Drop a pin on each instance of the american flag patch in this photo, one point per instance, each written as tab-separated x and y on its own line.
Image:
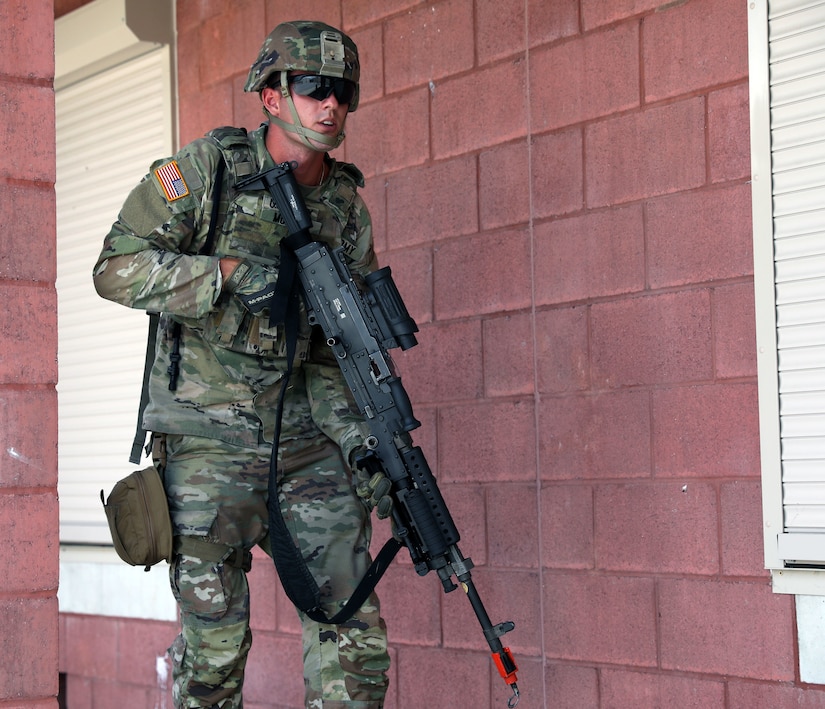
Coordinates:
172	182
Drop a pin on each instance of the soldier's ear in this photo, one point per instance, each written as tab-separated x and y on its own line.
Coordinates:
271	99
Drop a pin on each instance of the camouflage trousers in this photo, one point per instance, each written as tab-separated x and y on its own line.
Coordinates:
218	492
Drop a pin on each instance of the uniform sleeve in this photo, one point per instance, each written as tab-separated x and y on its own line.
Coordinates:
363	258
148	259
333	407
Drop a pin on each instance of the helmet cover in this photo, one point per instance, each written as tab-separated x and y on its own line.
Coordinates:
305	46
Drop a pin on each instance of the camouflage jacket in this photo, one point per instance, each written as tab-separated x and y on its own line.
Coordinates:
231	363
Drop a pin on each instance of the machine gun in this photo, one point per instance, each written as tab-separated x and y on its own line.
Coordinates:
360	327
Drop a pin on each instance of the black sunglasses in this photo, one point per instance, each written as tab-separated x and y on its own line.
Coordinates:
320	87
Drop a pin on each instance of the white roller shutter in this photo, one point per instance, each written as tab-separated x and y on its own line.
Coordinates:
789	259
109	127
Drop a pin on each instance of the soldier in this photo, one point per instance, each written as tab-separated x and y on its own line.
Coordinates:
220	363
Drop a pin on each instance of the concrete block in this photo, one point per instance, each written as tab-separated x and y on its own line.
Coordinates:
706	431
424	206
464	118
30	634
381	151
562	350
488	273
29	151
91	645
584	78
31	28
567	526
734	330
28	437
28	525
362	12
512	516
699	236
446	364
504	185
487	442
656	151
595	436
741	528
657	528
557	179
596	12
652	340
761	695
696	614
589	256
30	208
729	133
692	46
621	688
428	43
600	618
571	686
508	355
29	313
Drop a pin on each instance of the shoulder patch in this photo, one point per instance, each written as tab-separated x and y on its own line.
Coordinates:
190	174
171	181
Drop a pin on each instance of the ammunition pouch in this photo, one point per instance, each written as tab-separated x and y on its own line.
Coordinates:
138	516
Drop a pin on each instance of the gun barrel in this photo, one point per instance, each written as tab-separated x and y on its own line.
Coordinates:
503	658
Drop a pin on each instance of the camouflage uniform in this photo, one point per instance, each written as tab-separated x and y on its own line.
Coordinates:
219	421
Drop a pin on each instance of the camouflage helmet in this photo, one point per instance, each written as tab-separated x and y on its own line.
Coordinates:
307	46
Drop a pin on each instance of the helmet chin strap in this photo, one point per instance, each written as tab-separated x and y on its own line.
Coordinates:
304	133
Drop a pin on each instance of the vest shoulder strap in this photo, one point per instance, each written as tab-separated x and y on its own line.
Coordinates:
236	148
342	191
353	173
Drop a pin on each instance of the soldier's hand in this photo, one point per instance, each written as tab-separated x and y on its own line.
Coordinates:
375	492
253	284
371	485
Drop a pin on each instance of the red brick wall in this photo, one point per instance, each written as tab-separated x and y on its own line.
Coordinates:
28	356
562	191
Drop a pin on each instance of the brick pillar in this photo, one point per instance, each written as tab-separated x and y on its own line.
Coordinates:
28	357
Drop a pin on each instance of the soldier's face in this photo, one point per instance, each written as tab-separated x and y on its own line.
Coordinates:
326	116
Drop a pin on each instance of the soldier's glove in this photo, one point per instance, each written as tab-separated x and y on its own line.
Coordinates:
253	284
371	485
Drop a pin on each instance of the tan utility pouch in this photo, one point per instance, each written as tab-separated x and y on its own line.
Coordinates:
138	515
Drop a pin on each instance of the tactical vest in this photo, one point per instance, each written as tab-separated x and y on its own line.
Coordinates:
251	228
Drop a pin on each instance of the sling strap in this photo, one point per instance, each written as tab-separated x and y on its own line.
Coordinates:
140	433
